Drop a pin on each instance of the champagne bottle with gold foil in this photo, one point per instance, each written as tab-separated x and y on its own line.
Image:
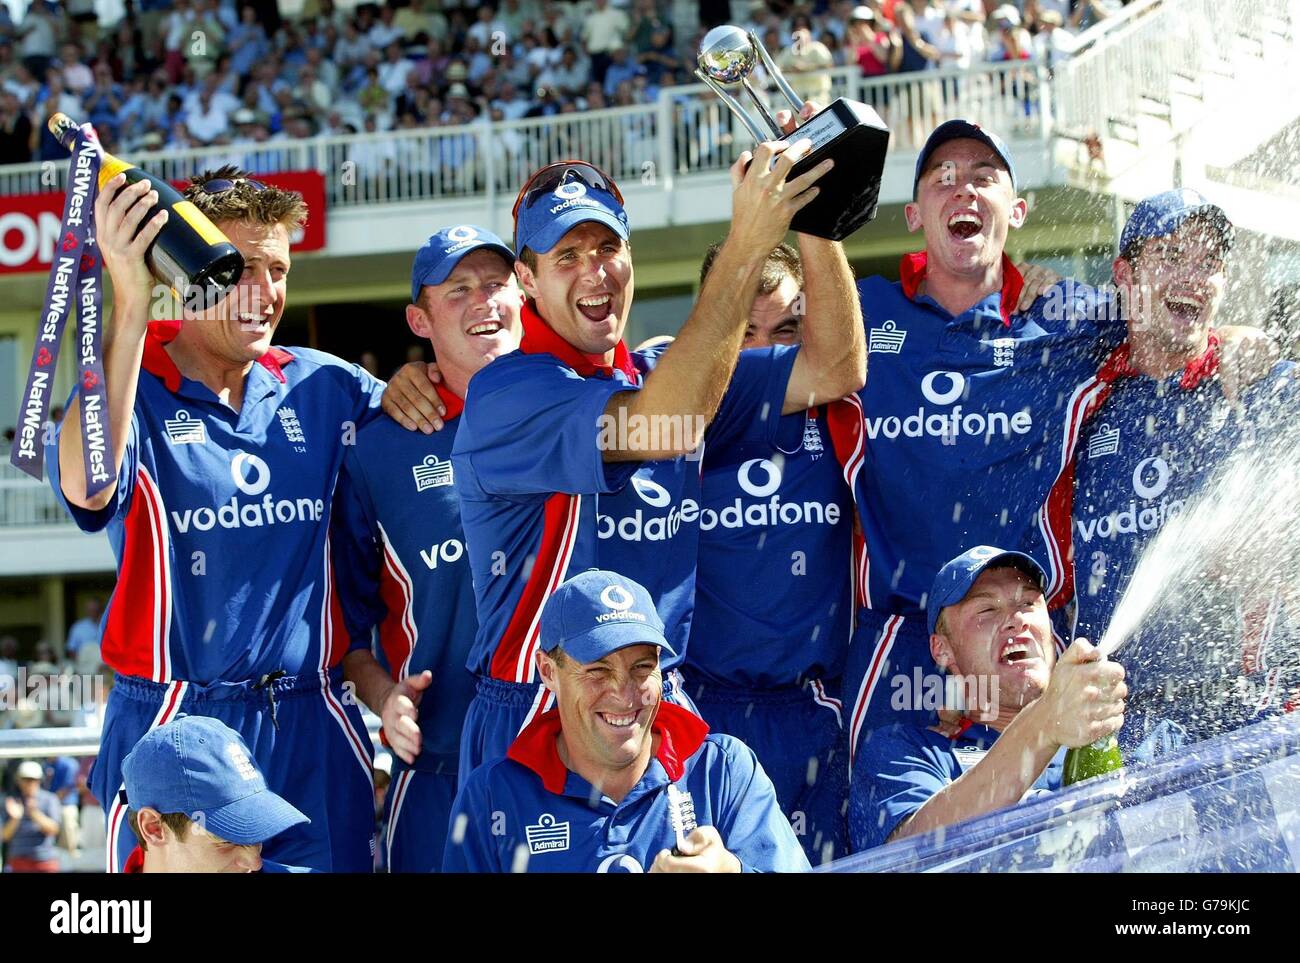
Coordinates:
189	254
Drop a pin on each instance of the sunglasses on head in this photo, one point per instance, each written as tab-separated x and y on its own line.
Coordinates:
220	185
546	180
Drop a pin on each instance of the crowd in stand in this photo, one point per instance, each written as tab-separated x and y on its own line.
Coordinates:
173	74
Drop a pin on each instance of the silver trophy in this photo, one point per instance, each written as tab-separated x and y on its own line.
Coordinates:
850	132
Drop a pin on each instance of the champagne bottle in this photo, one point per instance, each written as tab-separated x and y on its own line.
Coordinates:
1096	759
189	251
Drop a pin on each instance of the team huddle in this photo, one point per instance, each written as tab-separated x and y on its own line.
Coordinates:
671	608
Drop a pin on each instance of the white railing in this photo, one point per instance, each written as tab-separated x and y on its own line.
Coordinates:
1156	44
686	130
26	501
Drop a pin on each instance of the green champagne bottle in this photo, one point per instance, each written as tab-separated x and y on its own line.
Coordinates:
189	250
1096	759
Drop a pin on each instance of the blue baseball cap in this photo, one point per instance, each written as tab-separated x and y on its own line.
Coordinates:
955	579
955	129
202	768
1162	214
442	252
570	194
596	613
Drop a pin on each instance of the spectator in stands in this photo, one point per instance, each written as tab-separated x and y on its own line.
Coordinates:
15	130
919	23
487	27
372	97
208	115
569	76
86	629
39	34
877	45
622	69
176	31
385	31
103	102
248	43
1012	41
602	33
77	77
392	72
646	22
53	99
351	48
805	64
206	38
661	58
1052	44
31	824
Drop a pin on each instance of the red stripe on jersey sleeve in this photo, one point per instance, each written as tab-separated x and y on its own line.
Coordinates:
130	631
505	659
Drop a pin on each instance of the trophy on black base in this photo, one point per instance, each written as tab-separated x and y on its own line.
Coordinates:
848	131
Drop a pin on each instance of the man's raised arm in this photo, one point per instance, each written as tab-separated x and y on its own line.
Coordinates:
832	361
116	221
690	380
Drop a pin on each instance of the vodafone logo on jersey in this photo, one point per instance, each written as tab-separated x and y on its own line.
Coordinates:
662	522
947	419
1148	512
252	477
760	479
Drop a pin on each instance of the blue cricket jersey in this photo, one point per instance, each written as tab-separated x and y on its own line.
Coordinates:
528	813
403	572
774	593
1153	444
968	422
539	503
220	520
901	766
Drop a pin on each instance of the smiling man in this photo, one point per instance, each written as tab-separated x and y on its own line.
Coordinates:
402	572
575	452
198	803
989	628
614	778
1162	429
978	390
227	450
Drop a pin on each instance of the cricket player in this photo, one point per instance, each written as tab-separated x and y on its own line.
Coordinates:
1162	426
990	631
615	778
573	451
198	804
973	408
227	450
774	591
399	549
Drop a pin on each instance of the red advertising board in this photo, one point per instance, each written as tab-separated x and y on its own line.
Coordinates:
29	223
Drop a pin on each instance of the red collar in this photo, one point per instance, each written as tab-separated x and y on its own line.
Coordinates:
134	862
680	731
911	272
540	338
1197	370
454	403
158	362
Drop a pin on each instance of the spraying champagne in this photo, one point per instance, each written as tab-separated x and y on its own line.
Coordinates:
190	252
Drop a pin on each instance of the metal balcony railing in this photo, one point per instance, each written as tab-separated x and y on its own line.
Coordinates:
686	130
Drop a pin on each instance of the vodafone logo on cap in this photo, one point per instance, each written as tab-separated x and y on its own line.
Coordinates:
571	191
463	233
617	598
